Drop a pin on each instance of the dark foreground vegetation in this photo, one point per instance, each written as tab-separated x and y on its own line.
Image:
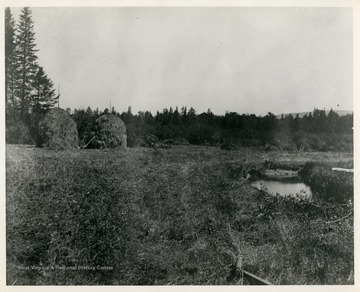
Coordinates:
173	217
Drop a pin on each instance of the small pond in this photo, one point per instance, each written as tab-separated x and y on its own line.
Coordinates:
284	187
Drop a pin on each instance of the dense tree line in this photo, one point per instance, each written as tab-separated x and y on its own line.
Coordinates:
314	131
29	92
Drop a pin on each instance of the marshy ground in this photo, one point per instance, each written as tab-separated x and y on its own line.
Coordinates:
178	216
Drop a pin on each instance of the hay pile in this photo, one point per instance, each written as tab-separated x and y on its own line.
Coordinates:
57	131
110	132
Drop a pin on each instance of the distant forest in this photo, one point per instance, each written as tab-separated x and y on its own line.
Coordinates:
316	131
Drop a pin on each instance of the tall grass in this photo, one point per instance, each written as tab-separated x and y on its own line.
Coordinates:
328	185
175	216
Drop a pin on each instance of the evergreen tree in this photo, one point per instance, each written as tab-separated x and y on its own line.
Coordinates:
10	64
176	117
26	61
332	121
41	100
43	97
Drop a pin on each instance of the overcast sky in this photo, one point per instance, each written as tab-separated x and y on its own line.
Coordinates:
248	60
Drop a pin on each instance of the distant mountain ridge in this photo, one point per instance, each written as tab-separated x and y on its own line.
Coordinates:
339	112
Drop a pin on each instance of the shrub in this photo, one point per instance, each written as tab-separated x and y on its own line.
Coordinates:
328	185
18	133
301	141
227	145
149	141
180	141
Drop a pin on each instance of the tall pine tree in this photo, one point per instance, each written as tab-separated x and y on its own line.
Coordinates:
29	91
10	65
26	61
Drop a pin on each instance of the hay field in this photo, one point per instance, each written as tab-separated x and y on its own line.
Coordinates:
176	216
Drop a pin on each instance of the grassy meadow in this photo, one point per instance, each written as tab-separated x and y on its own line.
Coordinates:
178	216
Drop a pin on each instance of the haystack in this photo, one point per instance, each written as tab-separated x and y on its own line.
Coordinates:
58	131
110	132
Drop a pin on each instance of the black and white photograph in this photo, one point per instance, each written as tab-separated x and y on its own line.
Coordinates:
173	145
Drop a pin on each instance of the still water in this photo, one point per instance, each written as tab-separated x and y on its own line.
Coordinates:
287	187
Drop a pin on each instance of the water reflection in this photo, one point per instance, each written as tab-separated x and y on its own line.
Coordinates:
284	187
